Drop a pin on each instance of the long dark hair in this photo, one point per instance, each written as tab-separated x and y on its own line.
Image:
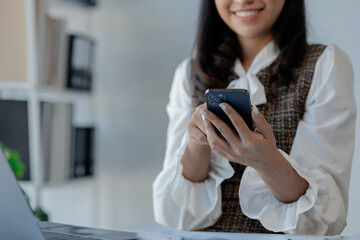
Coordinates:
217	47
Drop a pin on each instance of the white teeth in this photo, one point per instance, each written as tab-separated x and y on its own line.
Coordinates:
246	13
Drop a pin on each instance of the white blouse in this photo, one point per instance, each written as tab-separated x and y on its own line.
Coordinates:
322	153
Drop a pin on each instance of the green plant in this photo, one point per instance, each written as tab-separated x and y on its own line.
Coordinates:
19	169
15	162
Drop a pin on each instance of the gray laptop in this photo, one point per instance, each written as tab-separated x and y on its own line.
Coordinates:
18	222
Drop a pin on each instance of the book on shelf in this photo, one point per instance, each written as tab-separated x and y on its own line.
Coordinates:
14	130
53	50
82	159
56	130
80	62
46	110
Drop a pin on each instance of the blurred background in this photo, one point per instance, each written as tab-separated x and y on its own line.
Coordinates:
83	90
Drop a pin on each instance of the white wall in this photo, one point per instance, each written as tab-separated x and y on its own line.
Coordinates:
337	22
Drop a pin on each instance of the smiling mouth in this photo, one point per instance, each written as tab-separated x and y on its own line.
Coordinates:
247	13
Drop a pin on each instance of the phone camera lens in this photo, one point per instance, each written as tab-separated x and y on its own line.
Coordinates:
214	103
211	97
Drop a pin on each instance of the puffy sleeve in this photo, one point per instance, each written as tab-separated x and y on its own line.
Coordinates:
322	153
178	202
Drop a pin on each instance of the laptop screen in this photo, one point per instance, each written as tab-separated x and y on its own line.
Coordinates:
16	218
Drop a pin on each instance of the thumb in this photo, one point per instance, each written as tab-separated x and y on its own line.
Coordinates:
260	124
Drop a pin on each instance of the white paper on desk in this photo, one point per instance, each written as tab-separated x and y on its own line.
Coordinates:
355	237
160	232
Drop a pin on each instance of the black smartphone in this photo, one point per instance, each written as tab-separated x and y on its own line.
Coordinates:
239	99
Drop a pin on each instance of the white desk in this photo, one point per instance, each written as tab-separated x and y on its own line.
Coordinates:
156	231
159	232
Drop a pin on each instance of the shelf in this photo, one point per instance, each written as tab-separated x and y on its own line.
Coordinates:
57	94
14	85
29	185
26	184
72	181
10	90
13	90
31	189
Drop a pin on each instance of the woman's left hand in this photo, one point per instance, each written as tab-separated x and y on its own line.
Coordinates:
255	149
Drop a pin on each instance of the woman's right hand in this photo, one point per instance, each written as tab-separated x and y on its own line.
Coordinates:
196	158
196	127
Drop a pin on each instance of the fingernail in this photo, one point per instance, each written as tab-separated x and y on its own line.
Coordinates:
203	118
223	106
256	110
202	111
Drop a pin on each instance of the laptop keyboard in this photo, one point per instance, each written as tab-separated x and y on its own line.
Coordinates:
63	236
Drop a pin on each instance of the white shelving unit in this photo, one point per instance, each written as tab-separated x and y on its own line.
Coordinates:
30	89
21	14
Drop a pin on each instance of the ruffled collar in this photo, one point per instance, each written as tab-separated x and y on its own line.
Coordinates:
248	80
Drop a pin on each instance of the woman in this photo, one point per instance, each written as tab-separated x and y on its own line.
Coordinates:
292	173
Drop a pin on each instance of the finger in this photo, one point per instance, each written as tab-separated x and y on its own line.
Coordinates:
214	140
199	121
196	132
260	124
238	122
223	128
201	125
200	136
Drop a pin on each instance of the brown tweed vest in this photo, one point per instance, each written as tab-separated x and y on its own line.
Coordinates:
283	110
